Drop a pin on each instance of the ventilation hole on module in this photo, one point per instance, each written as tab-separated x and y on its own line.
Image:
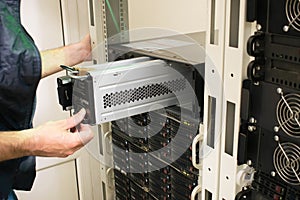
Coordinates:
144	92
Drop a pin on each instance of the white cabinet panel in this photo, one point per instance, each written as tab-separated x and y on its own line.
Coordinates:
181	16
57	183
42	19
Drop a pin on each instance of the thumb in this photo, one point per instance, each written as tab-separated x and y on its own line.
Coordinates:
86	134
75	119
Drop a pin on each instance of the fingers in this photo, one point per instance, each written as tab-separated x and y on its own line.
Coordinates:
85	135
75	141
87	38
75	119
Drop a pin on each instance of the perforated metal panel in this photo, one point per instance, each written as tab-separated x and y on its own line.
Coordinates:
125	88
144	92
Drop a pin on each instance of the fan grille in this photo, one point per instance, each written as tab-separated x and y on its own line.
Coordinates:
288	114
292	10
286	160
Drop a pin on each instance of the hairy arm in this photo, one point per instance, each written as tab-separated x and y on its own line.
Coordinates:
52	139
13	144
68	55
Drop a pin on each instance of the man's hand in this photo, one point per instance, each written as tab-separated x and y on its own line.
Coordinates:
55	139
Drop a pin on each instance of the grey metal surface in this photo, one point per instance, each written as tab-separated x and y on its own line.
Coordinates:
130	87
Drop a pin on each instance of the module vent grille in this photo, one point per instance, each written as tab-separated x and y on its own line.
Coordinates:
285	82
285	57
286	160
144	92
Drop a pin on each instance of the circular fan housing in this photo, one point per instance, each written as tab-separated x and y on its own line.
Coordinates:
292	10
286	161
288	114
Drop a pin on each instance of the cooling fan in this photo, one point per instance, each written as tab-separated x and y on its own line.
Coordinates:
286	157
288	114
292	10
286	160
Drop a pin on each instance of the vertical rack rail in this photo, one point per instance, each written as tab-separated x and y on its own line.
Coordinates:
237	31
213	98
107	19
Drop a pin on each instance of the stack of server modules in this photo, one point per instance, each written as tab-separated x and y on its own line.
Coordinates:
148	172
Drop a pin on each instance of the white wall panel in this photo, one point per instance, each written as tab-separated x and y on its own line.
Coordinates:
42	19
177	15
57	183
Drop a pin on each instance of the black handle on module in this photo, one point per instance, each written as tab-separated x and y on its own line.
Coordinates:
68	68
65	92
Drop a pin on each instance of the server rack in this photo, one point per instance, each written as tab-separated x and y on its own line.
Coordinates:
269	139
222	43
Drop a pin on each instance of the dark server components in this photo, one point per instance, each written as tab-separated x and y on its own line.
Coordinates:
276	44
270	128
139	193
184	164
182	184
158	177
160	182
121	151
122	186
139	165
270	138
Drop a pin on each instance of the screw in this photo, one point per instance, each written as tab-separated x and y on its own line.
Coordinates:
279	90
258	27
276	129
252	120
286	28
273	174
249	162
251	128
257	83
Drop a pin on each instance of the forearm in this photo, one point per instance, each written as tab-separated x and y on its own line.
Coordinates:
52	59
14	144
69	55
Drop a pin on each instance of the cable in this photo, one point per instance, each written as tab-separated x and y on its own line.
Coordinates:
112	15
